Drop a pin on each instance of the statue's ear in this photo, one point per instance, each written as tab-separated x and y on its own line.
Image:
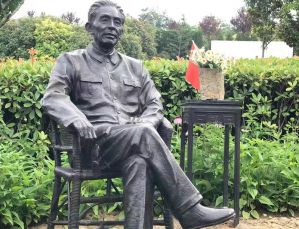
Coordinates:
88	27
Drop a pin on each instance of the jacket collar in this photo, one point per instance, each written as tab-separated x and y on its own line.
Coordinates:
97	55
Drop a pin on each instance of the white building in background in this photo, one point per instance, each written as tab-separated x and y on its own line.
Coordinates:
251	49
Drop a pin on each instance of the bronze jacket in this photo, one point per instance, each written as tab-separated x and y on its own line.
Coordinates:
104	89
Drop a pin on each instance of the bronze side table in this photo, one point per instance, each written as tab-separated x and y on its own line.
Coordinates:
223	112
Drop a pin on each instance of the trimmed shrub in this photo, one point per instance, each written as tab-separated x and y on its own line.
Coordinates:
22	85
16	37
169	78
270	91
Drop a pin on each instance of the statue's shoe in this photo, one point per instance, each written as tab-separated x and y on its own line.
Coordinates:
200	216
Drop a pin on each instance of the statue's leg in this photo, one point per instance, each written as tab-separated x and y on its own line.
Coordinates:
138	193
143	140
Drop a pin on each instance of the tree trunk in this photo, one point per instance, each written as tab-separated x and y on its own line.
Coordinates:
6	12
263	49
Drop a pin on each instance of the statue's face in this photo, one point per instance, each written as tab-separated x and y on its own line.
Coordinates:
107	26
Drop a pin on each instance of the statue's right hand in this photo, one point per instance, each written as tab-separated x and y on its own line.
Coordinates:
84	128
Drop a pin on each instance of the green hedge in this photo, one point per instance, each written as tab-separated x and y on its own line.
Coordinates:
267	87
270	91
169	78
22	85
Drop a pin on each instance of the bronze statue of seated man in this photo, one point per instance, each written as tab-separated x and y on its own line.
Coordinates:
109	96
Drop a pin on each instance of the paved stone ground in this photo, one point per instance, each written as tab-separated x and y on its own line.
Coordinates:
265	222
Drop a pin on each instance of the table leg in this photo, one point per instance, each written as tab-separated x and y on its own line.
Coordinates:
190	151
183	143
237	174
226	165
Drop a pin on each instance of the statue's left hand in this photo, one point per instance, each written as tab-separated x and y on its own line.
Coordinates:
84	128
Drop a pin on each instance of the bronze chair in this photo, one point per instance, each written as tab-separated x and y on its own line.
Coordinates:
79	170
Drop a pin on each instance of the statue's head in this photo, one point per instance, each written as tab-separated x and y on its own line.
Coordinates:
105	23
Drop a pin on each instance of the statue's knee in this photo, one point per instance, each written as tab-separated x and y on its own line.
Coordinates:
146	128
135	162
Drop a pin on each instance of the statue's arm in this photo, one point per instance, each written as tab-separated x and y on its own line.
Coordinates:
151	106
56	101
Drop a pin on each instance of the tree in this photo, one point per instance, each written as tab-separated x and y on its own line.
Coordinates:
242	22
8	8
146	32
288	28
172	38
54	36
186	34
210	26
242	25
130	44
226	32
177	42
16	37
71	18
173	25
264	15
80	38
31	13
159	20
48	35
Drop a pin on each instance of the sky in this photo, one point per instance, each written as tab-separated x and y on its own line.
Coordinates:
193	10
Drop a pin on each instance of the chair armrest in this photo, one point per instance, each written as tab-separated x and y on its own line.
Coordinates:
165	130
62	139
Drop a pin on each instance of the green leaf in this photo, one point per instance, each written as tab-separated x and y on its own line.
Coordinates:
219	201
112	208
252	192
205	184
38	113
292	213
27	104
254	214
265	200
32	114
8	217
10	125
246	215
17	220
95	210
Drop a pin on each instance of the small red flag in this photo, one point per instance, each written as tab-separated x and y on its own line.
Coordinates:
192	72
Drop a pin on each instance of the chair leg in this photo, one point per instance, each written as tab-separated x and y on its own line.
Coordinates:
55	200
74	204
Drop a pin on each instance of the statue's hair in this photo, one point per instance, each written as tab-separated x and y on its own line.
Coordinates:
98	4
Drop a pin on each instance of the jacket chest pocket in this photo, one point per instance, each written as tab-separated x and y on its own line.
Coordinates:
91	88
130	90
